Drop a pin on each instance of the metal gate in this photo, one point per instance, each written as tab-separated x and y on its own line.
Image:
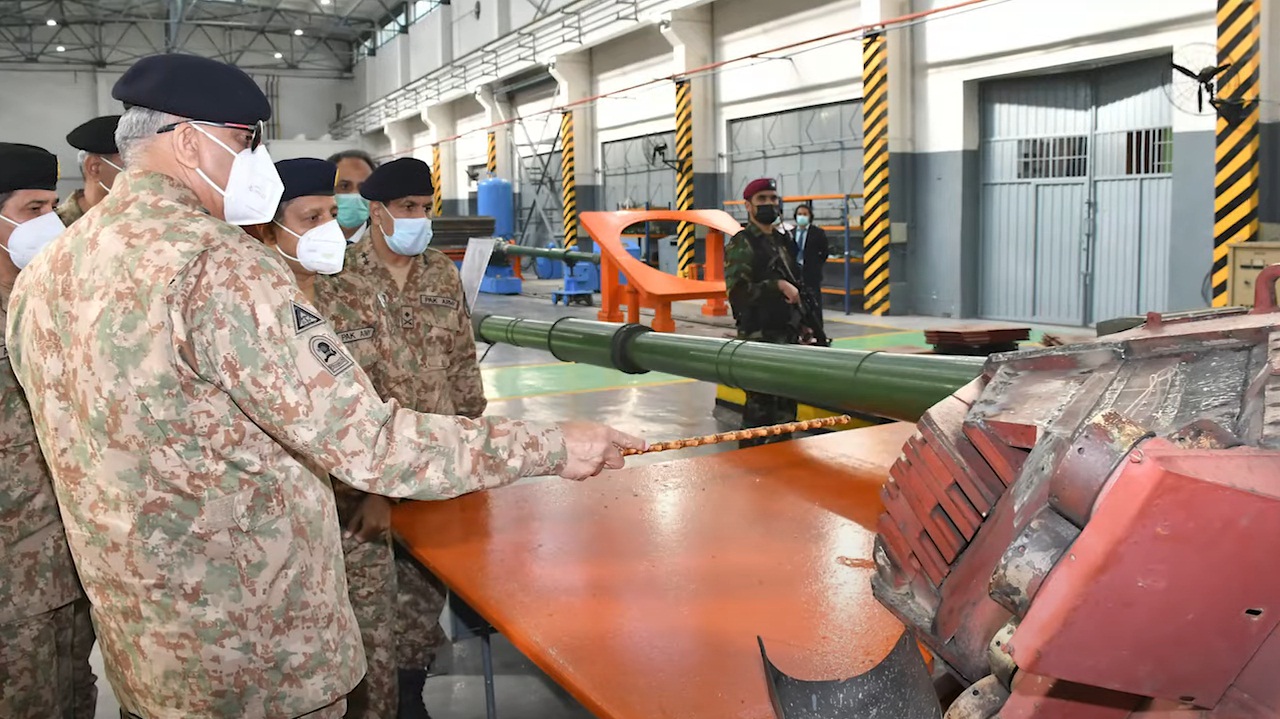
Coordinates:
1076	194
810	151
639	172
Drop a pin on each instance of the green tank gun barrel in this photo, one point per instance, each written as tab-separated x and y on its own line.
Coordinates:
892	386
550	253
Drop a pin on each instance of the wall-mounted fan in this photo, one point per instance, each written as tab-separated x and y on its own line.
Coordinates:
657	153
1197	87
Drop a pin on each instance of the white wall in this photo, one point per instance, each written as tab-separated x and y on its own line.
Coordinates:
430	46
308	106
387	70
40	108
522	11
823	73
473	148
470	33
629	60
290	149
1024	36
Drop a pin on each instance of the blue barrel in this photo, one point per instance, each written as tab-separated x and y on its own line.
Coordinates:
494	199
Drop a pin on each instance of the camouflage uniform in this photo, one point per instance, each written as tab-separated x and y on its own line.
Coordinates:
433	365
179	397
370	566
45	633
754	262
433	369
69	209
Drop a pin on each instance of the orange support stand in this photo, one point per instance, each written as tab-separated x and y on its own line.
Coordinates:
641	592
715	306
650	287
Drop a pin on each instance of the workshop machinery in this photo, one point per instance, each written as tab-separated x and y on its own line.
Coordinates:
1083	531
581	270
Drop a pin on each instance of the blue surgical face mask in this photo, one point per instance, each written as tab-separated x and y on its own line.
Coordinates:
802	220
353	210
410	237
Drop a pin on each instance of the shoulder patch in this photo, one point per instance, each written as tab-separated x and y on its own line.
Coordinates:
350	336
434	301
329	352
303	318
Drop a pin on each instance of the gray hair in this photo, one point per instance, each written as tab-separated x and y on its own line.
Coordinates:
137	128
81	156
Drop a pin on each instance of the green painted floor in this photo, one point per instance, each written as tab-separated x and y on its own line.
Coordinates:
544	379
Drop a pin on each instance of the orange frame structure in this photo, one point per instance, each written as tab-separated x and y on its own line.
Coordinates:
650	287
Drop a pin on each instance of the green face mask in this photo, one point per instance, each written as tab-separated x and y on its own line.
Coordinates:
353	210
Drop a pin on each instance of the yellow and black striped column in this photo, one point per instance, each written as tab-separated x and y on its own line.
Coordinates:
684	174
875	175
568	181
1235	201
492	165
437	181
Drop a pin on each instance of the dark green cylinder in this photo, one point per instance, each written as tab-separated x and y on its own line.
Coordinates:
550	253
893	386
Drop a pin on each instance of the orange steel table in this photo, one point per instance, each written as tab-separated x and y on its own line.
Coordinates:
642	591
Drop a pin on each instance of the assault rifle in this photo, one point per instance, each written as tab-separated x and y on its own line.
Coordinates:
809	308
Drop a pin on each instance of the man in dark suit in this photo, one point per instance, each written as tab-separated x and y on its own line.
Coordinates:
811	248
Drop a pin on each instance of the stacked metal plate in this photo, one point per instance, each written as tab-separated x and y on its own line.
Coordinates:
976	340
451	234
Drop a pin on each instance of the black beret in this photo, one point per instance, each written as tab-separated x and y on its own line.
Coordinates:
193	87
306	176
27	167
97	136
398	178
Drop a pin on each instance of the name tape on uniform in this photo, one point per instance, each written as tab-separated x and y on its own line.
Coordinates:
433	301
350	336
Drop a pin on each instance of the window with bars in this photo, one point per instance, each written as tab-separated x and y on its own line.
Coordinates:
1045	158
1149	152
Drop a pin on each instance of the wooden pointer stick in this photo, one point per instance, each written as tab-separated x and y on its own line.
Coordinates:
741	434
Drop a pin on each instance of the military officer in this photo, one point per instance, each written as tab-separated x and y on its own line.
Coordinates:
433	366
99	161
763	286
306	233
182	389
45	632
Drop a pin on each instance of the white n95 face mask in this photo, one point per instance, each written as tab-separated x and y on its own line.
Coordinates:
321	249
113	182
30	237
253	188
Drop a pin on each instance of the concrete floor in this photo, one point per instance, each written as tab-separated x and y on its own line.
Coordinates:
531	384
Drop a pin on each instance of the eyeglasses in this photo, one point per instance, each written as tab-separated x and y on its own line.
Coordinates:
258	129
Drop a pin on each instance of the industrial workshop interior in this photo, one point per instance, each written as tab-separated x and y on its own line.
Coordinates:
638	359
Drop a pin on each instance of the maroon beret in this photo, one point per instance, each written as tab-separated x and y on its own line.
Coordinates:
760	185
